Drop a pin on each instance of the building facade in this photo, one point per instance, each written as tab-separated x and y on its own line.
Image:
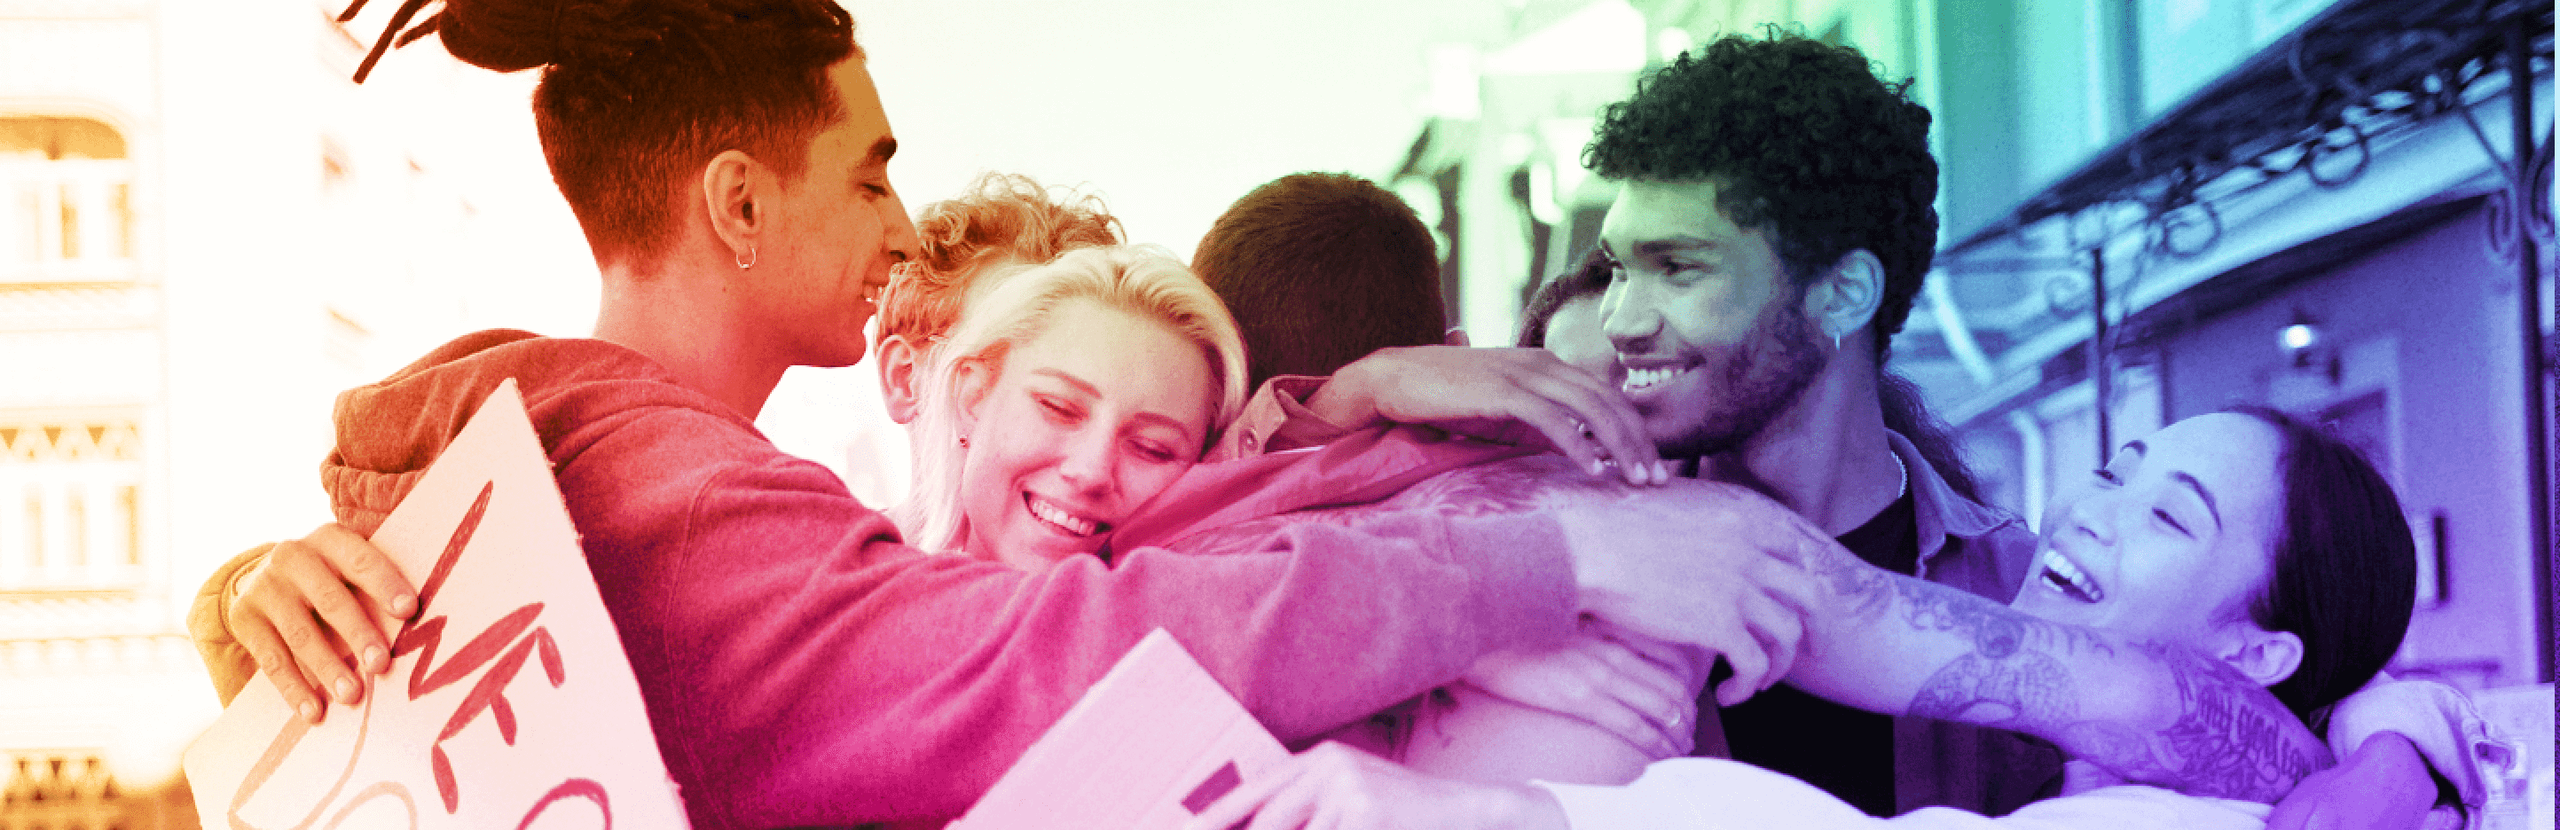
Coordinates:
205	231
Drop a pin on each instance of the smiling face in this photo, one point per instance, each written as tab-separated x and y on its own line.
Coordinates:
838	228
2170	540
1080	425
1708	328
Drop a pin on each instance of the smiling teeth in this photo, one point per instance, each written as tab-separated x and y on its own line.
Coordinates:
2063	576
1641	378
1050	513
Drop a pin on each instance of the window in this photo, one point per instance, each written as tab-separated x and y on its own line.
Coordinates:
66	201
77	484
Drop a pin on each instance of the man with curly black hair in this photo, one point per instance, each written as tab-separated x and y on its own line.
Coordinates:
1772	225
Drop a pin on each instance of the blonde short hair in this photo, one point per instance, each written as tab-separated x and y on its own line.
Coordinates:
1144	280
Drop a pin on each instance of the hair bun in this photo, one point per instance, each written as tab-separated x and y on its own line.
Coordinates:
503	35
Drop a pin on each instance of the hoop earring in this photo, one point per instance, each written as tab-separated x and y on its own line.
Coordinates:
748	261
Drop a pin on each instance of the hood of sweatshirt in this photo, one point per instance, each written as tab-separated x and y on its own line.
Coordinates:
574	390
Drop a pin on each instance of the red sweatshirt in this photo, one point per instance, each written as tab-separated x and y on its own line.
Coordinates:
803	667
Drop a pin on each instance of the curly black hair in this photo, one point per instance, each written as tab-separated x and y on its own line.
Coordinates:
1805	143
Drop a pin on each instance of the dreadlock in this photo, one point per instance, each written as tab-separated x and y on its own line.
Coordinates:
637	95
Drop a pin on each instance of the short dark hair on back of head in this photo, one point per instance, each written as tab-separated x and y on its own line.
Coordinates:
2345	572
1320	269
1803	141
638	95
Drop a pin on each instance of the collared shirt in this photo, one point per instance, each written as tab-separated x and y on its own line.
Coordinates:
1277	418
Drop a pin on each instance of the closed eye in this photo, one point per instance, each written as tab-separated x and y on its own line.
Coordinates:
1059	411
1152	451
2172	522
2106	475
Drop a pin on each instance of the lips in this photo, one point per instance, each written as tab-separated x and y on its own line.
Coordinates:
2065	577
1059	518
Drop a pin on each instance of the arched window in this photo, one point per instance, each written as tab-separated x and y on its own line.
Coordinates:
66	201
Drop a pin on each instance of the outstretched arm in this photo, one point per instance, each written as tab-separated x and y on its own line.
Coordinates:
1585	417
2148	713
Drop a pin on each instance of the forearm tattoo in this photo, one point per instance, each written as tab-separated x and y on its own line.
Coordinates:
2229	737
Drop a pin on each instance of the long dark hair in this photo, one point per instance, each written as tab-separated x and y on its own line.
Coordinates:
1905	413
2345	571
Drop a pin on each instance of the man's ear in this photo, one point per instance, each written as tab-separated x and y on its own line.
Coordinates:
2266	657
899	358
731	185
1845	297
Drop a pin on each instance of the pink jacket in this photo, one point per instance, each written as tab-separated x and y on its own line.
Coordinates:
802	667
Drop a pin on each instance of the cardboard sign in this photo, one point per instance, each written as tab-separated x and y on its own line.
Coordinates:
509	702
1149	746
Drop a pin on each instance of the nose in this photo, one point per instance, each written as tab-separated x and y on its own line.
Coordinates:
901	239
2093	515
1628	317
1087	462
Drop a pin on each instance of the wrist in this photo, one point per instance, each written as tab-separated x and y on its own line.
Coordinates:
2405	750
1345	400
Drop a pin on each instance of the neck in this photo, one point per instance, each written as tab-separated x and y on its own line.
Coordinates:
691	324
1826	456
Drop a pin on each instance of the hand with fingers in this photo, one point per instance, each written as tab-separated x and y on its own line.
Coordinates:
1335	787
2383	785
1586	417
1707	565
1649	700
307	616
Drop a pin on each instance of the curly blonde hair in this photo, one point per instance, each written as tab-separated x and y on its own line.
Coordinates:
1001	217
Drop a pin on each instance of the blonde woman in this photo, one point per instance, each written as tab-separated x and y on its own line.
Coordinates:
1067	396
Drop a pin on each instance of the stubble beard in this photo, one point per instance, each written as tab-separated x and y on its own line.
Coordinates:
1758	379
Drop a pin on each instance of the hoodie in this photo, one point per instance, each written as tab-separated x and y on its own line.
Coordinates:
801	666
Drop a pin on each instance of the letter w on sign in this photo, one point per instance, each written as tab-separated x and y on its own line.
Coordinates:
485	537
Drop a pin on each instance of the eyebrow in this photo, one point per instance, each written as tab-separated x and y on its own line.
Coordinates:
1071	380
1676	244
2210	508
881	150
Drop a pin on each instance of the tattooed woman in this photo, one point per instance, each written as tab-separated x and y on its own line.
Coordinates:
2231	552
